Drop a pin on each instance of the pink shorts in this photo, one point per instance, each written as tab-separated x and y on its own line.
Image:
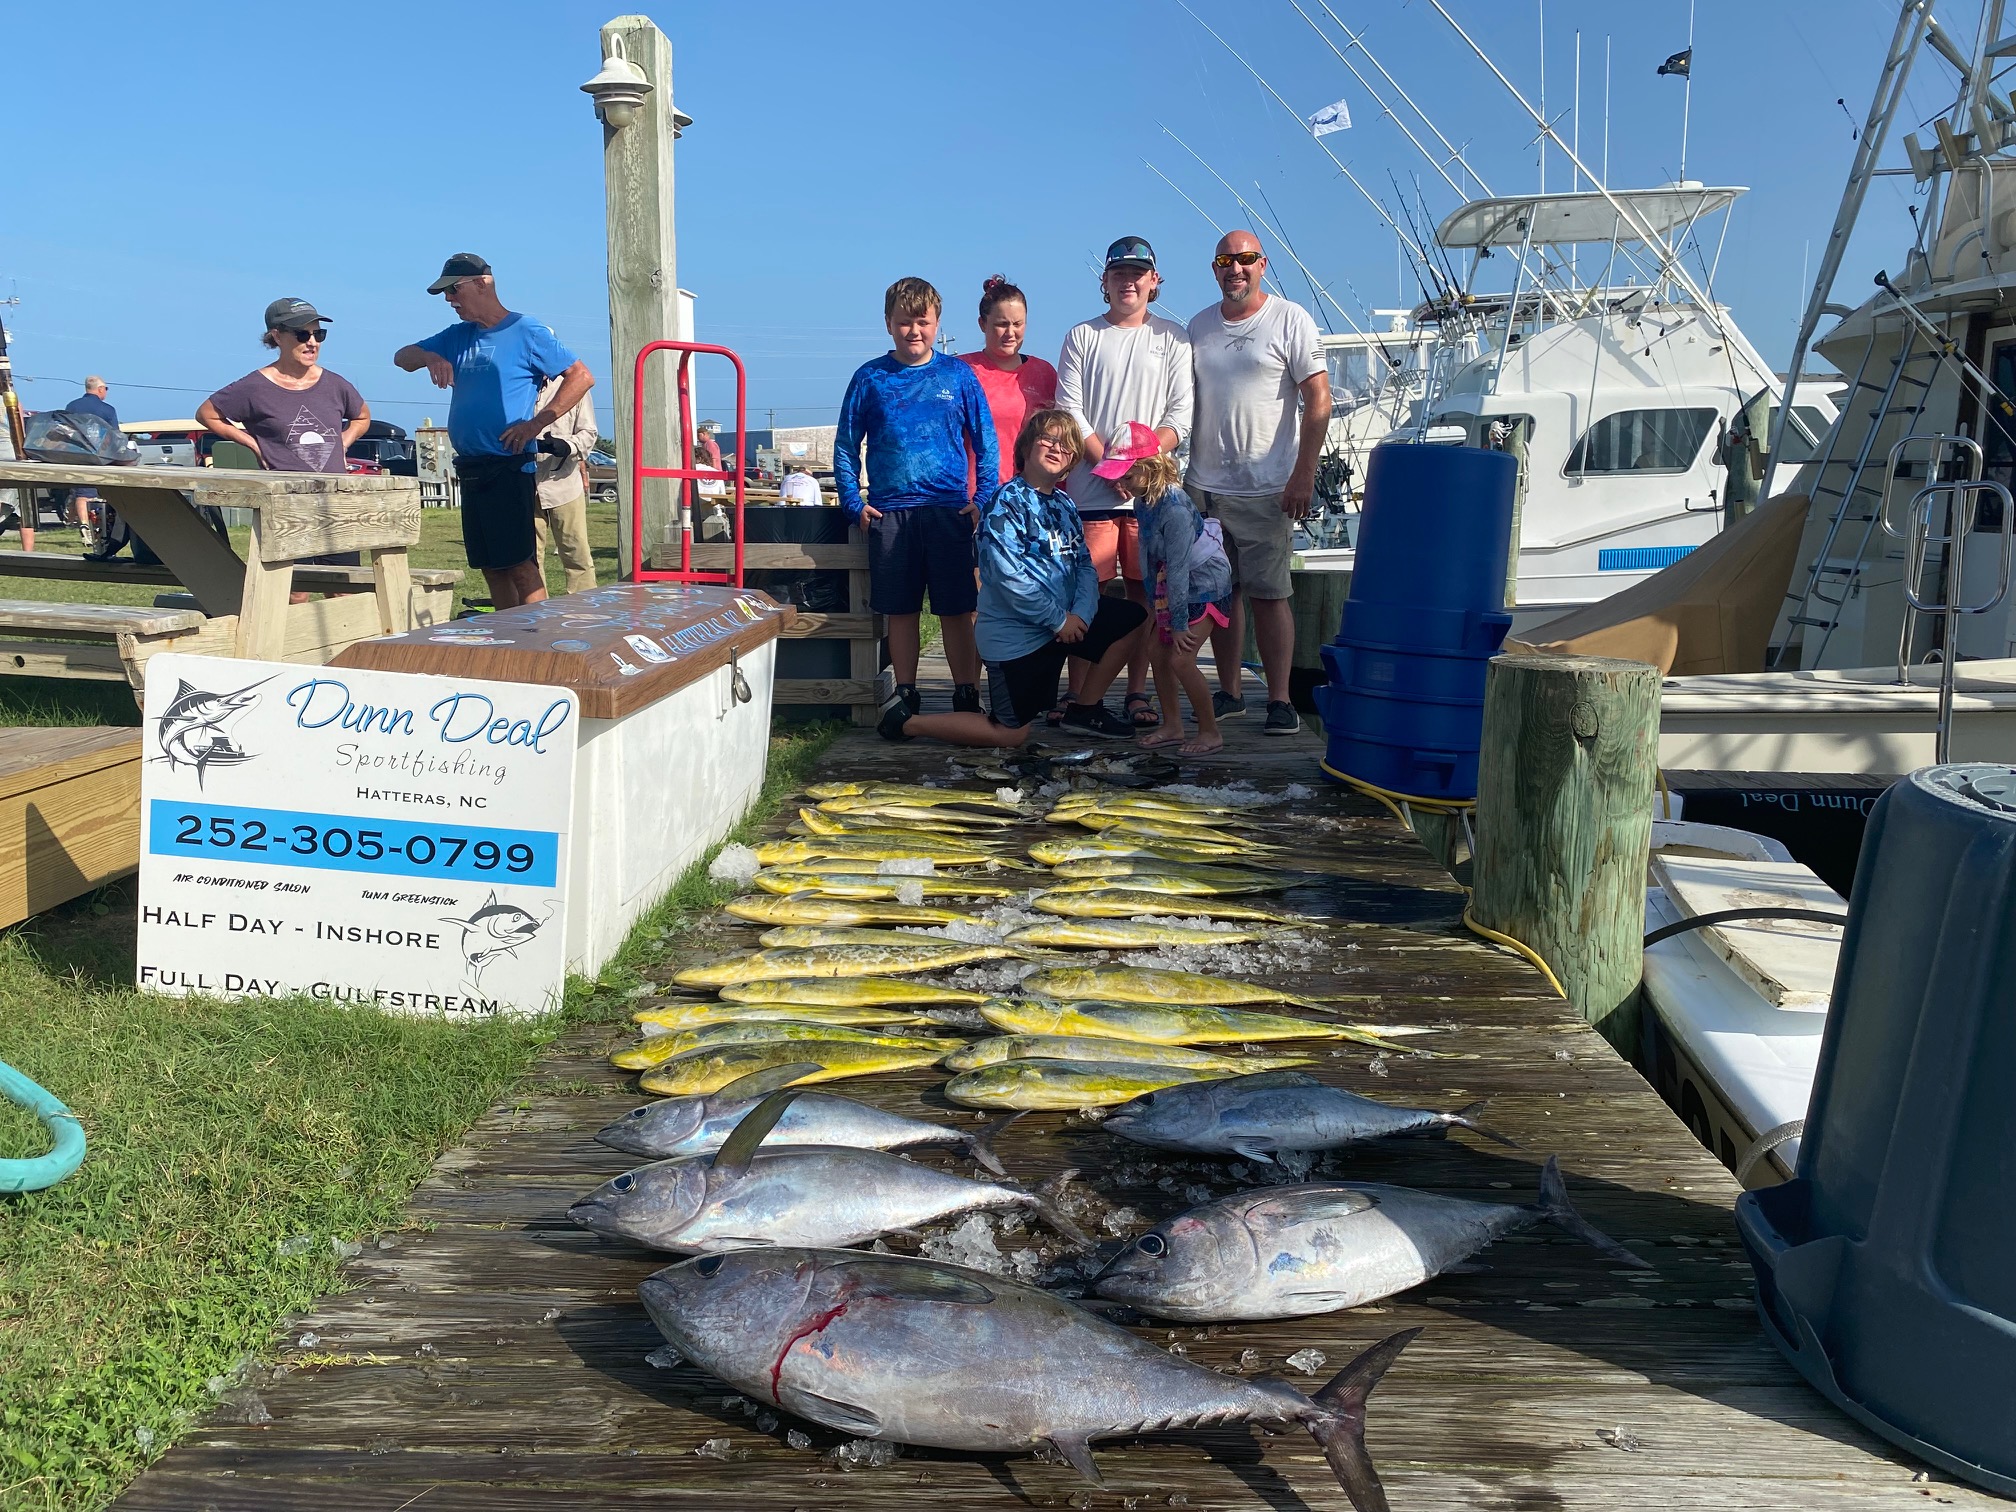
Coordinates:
1115	545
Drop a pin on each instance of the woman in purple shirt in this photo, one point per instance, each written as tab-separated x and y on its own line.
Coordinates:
294	415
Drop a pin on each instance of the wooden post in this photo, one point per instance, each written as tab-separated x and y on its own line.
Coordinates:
1564	823
643	276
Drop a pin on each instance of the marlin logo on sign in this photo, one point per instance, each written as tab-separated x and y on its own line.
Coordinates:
494	930
190	730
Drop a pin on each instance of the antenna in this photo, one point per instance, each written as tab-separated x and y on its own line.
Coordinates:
1606	110
1687	91
1543	94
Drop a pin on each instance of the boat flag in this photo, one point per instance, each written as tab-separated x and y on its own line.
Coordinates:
1680	65
1331	118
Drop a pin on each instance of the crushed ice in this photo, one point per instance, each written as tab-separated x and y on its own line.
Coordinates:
736	864
972	1245
664	1357
911	893
1307	1361
871	1454
907	866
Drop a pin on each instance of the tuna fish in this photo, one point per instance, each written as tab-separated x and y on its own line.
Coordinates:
884	1346
1292	1251
1031	1084
686	1126
821	1195
1256	1117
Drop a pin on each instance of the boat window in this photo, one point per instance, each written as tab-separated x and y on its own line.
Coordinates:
1356	373
1651	440
1492	431
1797	448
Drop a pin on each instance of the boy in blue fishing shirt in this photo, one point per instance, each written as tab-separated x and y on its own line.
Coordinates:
1039	605
918	411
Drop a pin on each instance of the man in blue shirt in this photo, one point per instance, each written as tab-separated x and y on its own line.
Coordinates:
91	402
496	361
918	410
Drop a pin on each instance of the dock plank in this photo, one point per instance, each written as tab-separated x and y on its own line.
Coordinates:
491	1355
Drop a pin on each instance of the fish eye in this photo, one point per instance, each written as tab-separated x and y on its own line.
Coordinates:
639	1112
624	1182
1150	1244
706	1265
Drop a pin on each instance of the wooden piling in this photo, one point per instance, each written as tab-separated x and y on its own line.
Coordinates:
1564	823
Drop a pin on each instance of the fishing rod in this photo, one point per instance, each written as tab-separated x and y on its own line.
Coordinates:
1269	278
1283	229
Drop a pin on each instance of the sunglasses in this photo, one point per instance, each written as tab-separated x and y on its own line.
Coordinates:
1244	259
307	335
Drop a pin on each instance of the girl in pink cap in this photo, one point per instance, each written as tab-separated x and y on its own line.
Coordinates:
1188	577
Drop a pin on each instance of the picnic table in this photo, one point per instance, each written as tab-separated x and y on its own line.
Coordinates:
233	606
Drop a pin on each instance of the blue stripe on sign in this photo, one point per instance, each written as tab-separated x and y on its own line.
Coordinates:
347	842
1638	558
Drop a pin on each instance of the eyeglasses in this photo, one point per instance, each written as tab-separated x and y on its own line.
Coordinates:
1244	259
1055	443
307	335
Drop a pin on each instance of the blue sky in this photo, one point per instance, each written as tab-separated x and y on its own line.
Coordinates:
174	171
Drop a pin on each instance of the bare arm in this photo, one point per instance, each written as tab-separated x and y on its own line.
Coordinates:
357	426
1301	489
411	359
575	382
217	425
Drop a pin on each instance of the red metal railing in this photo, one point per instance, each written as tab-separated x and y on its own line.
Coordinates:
686	474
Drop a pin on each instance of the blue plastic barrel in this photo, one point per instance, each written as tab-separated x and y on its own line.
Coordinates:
1404	706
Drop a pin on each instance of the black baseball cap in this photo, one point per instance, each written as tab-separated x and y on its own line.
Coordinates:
462	265
293	315
1130	251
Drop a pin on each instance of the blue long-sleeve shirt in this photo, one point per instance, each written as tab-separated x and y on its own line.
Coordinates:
1169	531
917	422
1035	570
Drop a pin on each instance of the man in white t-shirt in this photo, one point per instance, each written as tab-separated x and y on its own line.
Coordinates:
799	486
1252	465
1126	364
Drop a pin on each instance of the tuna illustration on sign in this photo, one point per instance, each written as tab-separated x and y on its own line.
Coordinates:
190	730
494	930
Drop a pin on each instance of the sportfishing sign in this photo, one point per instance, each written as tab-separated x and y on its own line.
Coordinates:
375	838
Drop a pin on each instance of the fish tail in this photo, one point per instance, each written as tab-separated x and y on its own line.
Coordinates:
1555	1208
1339	1428
980	1143
1466	1118
1045	1198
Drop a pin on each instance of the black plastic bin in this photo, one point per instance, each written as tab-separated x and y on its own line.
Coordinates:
1886	1268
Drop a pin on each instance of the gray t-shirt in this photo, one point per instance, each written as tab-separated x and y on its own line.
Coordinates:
298	430
1244	437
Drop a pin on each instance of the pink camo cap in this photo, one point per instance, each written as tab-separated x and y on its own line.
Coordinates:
1141	442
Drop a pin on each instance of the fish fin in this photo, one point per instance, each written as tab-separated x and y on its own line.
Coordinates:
847	1417
1045	1197
739	1148
1466	1118
980	1143
1556	1209
769	1079
1252	1148
1282	1078
1312	1204
1077	1451
1341	1433
908	1281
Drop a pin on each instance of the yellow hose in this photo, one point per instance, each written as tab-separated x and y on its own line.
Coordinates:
1519	947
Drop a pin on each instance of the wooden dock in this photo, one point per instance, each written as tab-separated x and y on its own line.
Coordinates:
492	1356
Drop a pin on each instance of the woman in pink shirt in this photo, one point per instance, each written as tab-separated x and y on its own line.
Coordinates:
1016	386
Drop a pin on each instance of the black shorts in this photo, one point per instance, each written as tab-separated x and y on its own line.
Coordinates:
1026	688
909	550
500	496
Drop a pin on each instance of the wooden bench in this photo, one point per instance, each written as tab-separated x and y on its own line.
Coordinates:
102	641
69	814
316	578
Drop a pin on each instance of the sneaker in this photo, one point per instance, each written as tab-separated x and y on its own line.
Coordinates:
966	699
1227	705
895	714
1282	720
913	701
1097	719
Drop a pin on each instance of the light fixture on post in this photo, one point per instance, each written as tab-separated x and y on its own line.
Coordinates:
619	89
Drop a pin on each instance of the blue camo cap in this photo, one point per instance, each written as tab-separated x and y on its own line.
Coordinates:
1130	251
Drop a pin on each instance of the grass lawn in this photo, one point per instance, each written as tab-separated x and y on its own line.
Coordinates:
235	1149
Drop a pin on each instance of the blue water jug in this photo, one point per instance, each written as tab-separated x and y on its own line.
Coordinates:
1404	706
1884	1266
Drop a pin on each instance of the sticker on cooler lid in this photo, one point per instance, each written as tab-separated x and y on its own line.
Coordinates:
647	648
624	667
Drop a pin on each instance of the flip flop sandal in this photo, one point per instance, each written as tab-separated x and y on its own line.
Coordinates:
1136	706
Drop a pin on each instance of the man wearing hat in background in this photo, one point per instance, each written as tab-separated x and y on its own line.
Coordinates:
1125	365
495	361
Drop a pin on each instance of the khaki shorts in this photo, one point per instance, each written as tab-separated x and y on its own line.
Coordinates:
1259	540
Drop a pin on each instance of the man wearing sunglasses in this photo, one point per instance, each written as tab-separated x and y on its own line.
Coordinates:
294	415
496	361
1252	464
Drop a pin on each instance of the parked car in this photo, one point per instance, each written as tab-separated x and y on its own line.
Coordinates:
169	443
602	477
387	448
